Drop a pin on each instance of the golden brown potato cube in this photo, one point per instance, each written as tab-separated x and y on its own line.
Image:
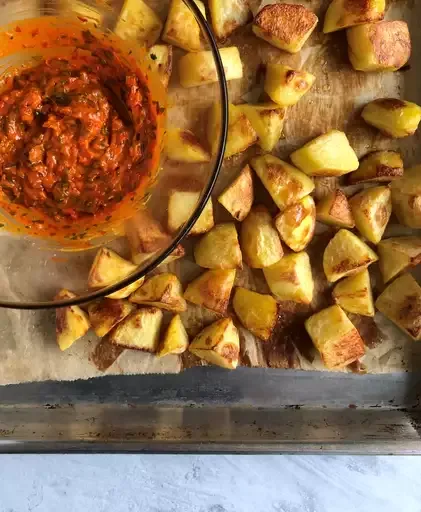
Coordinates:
176	340
160	56
372	209
327	155
107	314
258	313
291	278
228	15
335	337
71	322
218	344
286	26
401	303
406	197
354	294
184	146
163	291
268	122
181	205
238	197
259	239
334	210
346	255
393	117
181	28
212	290
348	13
397	255
378	166
384	46
241	133
296	224
286	86
139	331
139	22
178	252
219	248
284	182
199	68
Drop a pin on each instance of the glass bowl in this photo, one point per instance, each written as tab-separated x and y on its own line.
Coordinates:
35	260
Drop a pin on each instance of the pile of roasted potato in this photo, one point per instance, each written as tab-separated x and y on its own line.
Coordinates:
132	318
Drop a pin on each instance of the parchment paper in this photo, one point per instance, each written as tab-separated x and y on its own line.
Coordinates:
27	339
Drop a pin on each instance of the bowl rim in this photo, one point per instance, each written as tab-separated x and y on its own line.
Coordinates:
103	292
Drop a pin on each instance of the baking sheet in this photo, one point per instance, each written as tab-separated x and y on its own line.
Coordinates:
27	339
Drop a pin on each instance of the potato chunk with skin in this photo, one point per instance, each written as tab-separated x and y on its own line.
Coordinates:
346	255
218	344
284	182
401	303
107	314
291	278
238	197
384	46
286	86
71	322
181	28
406	197
212	290
138	21
393	117
258	313
296	224
268	122
334	210
397	255
161	56
354	294
228	15
181	205
286	26
176	340
348	13
372	209
163	291
199	68
139	331
335	337
184	146
327	155
378	166
219	248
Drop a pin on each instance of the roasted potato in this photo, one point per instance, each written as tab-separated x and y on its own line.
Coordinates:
259	240
199	68
163	291
107	313
181	205
401	303
394	118
268	122
378	166
334	210
219	248
109	268
218	344
228	15
238	197
327	155
160	56
258	313
384	46
335	337
371	210
176	340
71	322
291	278
139	331
348	13
139	22
286	86
212	290
285	183
406	197
354	294
241	133
177	253
184	146
181	28
346	255
286	26
397	255
296	224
